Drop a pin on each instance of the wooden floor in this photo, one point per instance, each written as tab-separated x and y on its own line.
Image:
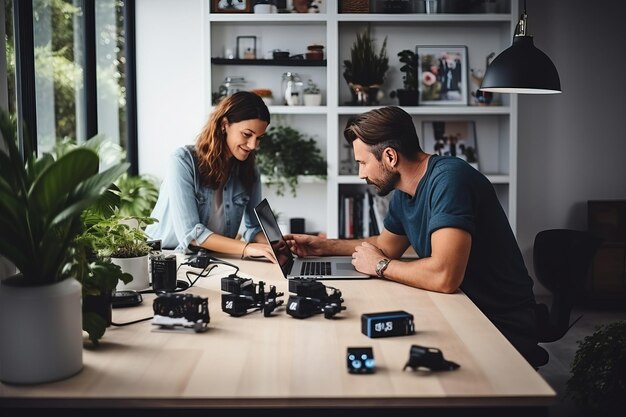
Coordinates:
557	371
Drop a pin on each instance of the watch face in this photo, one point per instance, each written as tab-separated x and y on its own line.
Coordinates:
380	266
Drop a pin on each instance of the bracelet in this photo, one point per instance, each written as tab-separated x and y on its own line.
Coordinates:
243	253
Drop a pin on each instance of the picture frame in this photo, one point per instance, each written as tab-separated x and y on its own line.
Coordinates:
246	47
451	138
232	6
442	75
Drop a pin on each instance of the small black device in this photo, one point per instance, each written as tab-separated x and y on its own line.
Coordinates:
243	296
181	311
312	297
387	324
361	360
126	298
163	269
428	358
199	260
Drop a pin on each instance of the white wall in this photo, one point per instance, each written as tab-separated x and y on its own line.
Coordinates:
572	146
170	84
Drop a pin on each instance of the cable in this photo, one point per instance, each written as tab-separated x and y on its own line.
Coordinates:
130	322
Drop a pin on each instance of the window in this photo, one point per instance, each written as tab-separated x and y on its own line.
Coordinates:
81	59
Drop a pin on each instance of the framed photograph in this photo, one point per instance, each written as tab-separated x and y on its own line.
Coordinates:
246	47
451	137
232	6
442	75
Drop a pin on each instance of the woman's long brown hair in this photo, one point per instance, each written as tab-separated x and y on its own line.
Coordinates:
211	148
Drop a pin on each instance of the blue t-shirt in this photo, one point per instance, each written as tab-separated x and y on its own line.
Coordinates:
454	194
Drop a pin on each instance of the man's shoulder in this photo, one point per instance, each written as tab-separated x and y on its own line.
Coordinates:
454	166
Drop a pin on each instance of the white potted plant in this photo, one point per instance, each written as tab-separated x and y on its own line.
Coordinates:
41	202
115	238
312	94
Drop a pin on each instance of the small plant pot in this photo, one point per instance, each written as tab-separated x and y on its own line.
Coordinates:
138	268
408	97
312	99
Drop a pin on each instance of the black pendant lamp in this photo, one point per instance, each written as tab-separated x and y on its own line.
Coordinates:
522	68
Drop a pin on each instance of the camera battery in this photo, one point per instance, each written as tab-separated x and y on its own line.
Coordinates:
387	324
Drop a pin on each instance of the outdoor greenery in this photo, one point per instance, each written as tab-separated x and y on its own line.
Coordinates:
57	65
366	67
286	153
598	381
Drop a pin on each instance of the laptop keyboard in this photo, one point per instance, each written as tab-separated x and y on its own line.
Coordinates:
315	268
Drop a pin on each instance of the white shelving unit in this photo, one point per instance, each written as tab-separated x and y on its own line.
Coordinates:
496	125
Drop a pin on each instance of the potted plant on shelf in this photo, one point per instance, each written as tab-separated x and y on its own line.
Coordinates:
408	96
41	202
312	94
286	153
598	373
365	70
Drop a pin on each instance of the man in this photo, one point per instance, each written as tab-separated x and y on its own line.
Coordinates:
449	213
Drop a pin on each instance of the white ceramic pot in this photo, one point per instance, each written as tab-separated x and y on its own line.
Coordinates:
312	99
138	268
41	332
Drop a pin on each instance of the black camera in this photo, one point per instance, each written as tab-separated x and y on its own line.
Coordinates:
184	311
163	270
312	297
243	296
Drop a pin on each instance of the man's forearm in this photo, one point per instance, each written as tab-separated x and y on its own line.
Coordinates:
344	247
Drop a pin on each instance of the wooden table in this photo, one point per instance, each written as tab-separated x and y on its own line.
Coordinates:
279	362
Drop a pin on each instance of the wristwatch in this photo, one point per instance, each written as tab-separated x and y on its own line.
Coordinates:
381	266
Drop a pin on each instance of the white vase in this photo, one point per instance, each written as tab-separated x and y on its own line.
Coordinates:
138	268
312	99
41	332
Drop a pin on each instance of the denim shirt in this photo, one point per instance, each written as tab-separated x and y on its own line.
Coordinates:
184	205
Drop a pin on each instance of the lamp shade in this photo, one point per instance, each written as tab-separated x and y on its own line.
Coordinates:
522	68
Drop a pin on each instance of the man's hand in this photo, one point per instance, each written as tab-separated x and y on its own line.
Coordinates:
365	258
306	245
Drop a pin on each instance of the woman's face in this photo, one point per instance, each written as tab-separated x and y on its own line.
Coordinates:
243	137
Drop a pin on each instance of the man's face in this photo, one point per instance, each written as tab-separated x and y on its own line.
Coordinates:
380	174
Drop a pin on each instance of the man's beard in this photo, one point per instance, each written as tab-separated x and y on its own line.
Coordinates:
387	183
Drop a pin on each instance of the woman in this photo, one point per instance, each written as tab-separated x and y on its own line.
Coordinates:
212	185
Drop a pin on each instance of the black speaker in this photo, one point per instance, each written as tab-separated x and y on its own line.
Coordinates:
164	273
296	225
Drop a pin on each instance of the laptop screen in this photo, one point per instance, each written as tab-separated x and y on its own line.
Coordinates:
274	236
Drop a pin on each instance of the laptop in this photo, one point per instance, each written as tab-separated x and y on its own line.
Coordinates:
320	268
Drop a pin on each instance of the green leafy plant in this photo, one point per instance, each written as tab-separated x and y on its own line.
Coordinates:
366	67
138	195
409	59
113	237
311	88
41	202
286	153
598	381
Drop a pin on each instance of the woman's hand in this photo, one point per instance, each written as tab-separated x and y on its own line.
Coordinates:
258	251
